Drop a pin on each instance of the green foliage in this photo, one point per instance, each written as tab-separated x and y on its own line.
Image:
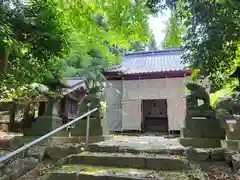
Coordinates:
212	37
227	90
31	43
158	5
100	32
174	31
150	45
44	39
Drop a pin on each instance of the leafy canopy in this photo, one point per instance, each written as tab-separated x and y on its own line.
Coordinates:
43	39
212	36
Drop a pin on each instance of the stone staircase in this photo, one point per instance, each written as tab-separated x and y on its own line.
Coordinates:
100	164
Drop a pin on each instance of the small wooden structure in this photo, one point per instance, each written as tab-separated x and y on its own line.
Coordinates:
73	94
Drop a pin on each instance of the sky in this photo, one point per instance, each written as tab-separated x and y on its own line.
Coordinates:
158	25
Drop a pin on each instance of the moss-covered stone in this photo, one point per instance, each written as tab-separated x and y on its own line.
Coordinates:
157	162
236	162
61	151
95	128
4	177
172	164
202	112
84	172
63	176
19	167
231	144
217	154
197	154
200	121
117	160
37	152
44	125
228	156
200	142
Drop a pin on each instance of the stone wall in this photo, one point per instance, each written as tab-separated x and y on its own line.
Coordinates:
54	148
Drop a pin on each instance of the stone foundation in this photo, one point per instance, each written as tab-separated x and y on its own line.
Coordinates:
200	142
44	125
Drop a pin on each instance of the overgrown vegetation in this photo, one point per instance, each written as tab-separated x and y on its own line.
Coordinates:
210	39
42	40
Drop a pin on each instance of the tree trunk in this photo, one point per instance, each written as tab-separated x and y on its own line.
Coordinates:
4	62
12	117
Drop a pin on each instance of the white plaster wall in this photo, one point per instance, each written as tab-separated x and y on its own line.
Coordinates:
113	96
131	119
172	89
124	101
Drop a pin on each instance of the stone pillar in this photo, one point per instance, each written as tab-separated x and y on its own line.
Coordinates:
95	123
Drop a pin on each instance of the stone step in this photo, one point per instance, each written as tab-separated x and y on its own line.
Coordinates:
123	149
129	160
83	172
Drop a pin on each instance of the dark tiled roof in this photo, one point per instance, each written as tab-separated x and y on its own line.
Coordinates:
151	61
73	83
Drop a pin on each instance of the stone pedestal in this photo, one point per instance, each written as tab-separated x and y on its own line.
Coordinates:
95	124
202	131
202	128
232	141
48	122
44	125
80	127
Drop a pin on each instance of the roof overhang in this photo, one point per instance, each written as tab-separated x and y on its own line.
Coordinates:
75	83
148	75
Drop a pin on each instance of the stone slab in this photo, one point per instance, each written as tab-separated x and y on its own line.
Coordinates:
58	152
231	144
234	135
107	173
218	154
78	139
138	144
129	160
200	112
200	142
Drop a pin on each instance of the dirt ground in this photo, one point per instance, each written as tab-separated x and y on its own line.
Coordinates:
39	171
218	171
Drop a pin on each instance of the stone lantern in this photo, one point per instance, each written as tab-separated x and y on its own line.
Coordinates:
50	119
